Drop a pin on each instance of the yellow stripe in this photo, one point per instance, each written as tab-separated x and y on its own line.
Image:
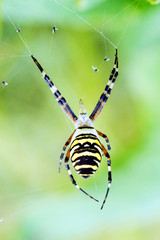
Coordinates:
94	167
86	153
89	174
82	141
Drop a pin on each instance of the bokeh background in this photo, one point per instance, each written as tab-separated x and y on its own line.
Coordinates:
35	201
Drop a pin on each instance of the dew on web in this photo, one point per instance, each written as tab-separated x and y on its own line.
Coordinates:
106	59
54	29
19	34
95	69
4	83
18	30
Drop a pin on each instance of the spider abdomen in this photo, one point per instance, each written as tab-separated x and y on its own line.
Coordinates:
85	151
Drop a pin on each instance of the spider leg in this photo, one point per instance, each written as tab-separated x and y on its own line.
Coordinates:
106	138
59	98
63	151
107	91
109	173
72	178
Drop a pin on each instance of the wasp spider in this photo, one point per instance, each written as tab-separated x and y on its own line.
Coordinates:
85	148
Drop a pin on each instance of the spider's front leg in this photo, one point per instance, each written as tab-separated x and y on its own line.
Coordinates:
63	151
58	96
106	138
107	91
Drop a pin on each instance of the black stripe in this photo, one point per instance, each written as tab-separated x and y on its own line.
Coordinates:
106	89
91	146
83	150
57	94
85	127
86	158
50	84
109	176
116	74
109	162
86	171
84	161
86	135
113	72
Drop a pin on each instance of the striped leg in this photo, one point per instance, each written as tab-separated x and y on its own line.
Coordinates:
63	151
72	178
106	138
59	98
109	173
105	95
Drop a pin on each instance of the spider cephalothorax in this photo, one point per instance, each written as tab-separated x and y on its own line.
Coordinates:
84	146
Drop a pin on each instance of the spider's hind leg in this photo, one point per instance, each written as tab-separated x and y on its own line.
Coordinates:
109	173
72	178
63	151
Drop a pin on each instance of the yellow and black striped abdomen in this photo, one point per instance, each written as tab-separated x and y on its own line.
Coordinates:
85	153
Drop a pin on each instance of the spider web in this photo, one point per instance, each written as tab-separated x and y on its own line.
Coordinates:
67	7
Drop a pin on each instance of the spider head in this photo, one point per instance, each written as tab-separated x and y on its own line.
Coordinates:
83	119
82	109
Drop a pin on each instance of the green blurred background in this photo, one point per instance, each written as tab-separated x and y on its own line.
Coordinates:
35	201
